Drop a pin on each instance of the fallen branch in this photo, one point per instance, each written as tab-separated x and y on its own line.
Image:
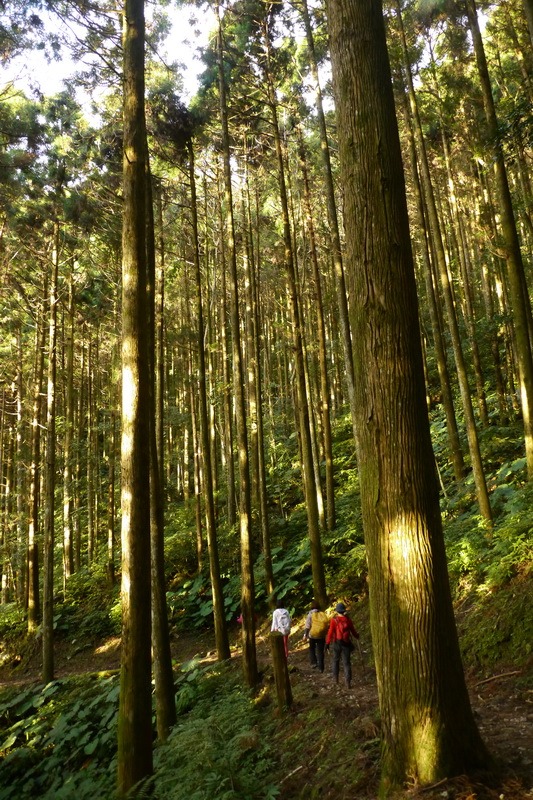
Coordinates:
496	677
286	778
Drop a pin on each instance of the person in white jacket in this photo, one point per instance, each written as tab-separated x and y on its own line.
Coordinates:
281	622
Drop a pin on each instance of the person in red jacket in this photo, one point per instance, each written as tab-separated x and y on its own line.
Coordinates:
341	630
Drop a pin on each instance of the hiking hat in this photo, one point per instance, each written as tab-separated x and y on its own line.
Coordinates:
340	608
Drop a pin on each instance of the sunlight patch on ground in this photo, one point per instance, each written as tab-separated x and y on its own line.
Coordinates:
107	646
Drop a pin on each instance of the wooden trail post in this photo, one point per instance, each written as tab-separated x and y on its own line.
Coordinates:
281	672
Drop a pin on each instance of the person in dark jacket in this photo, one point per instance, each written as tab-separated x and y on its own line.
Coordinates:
341	630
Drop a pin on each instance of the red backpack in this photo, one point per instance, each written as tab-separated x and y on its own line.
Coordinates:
342	632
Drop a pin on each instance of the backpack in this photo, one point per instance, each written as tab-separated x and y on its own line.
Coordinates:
319	625
343	631
284	622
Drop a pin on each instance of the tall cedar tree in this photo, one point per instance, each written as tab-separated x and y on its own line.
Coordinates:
135	711
428	727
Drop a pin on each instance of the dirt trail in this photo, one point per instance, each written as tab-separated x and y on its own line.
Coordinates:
503	709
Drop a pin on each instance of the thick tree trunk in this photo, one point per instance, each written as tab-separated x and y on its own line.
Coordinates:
428	727
135	708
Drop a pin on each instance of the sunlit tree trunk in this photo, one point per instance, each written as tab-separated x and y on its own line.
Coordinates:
135	709
428	728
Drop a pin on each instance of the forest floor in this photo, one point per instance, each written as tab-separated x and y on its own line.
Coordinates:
328	742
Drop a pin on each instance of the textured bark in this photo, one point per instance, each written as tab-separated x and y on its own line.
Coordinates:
281	672
135	708
428	727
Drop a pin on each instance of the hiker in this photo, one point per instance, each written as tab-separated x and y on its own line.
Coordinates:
341	629
315	630
281	622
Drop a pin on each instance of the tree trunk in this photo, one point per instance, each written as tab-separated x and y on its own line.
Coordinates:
528	10
221	632
33	604
310	490
111	498
435	317
68	549
135	708
245	516
428	727
440	258
513	257
165	702
340	283
324	401
49	476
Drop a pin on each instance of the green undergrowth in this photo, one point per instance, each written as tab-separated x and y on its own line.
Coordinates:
222	746
59	740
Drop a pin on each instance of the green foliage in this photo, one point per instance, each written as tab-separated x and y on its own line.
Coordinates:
479	557
88	609
220	749
498	625
12	622
59	741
